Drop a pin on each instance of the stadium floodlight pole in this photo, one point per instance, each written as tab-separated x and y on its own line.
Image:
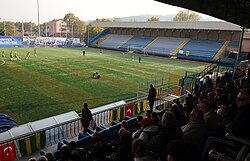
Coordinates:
22	29
72	33
239	51
46	29
14	28
38	18
31	28
88	34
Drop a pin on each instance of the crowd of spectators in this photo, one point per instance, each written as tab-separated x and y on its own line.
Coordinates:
182	133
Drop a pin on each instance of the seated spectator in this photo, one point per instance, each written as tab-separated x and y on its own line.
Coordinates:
195	130
137	127
50	156
177	101
141	154
240	127
149	130
66	154
179	150
170	131
210	117
137	124
115	143
155	119
125	125
124	152
42	158
210	97
99	152
77	152
32	159
239	73
180	117
188	107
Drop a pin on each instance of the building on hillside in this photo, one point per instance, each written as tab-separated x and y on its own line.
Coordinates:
58	28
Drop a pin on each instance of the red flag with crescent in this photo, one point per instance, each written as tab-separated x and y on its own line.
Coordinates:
129	110
7	152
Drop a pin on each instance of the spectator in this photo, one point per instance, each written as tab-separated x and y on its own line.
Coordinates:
115	143
32	159
180	117
239	126
141	154
79	153
66	154
125	125
210	117
137	127
170	131
86	117
99	152
124	152
155	119
137	124
239	73
210	97
42	158
50	156
179	150
195	130
149	130
151	97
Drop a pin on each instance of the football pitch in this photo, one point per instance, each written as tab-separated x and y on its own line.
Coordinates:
59	80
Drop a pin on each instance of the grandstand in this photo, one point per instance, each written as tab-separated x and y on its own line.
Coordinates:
202	41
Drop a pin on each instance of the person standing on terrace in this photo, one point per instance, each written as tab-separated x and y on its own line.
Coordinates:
86	117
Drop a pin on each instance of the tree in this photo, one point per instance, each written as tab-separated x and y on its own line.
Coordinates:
186	15
75	23
153	18
103	20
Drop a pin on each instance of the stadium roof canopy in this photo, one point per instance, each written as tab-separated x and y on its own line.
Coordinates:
196	25
235	11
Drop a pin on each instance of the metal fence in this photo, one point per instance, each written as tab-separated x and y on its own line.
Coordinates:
18	146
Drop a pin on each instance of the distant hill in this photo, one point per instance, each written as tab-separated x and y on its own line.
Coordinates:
161	17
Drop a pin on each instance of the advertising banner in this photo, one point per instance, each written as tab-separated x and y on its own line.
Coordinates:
10	41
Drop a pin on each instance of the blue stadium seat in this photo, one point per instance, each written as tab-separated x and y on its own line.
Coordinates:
115	127
84	143
106	135
59	145
82	135
42	152
100	128
65	141
57	155
114	122
131	122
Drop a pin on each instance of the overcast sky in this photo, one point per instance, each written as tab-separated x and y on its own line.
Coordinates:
26	10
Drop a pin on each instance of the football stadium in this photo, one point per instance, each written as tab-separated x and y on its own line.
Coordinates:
159	91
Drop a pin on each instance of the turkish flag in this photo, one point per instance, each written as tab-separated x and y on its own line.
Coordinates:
129	110
7	152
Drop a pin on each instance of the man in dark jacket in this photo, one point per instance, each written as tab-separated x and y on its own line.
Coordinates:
169	132
86	117
151	96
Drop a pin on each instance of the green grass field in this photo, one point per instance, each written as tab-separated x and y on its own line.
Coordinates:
59	80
